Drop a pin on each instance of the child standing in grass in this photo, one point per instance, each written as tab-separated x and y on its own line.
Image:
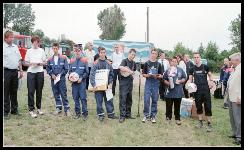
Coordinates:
57	67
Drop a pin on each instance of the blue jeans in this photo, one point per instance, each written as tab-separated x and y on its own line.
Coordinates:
100	96
151	90
79	92
60	94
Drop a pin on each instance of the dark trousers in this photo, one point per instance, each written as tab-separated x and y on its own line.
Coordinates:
79	94
10	90
116	72
60	94
100	97
35	82
87	79
125	97
161	90
202	95
169	104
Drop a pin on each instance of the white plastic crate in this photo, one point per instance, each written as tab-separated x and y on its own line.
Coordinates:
185	107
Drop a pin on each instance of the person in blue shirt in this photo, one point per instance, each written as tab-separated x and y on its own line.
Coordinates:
58	65
102	63
80	66
174	93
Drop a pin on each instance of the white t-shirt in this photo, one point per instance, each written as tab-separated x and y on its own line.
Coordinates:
90	57
165	63
117	59
35	56
182	65
55	60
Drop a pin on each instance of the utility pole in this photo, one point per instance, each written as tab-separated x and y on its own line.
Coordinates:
147	24
145	36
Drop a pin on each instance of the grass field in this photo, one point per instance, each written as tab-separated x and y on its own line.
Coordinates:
50	130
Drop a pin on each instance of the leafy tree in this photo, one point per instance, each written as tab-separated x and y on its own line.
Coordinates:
69	42
211	51
235	29
46	40
8	14
39	33
201	50
112	23
181	49
21	15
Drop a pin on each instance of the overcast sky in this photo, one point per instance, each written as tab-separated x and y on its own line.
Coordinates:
190	24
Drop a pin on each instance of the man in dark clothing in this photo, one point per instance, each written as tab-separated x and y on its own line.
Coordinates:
126	86
199	73
11	63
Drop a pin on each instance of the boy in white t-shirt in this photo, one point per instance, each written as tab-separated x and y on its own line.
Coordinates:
35	59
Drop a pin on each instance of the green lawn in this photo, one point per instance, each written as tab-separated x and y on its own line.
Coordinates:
50	130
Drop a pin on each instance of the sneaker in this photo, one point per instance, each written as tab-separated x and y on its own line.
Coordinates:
225	107
113	117
57	112
77	116
168	120
237	142
101	118
144	119
33	114
121	119
199	125
209	128
153	120
84	117
16	113
231	136
178	122
68	113
39	111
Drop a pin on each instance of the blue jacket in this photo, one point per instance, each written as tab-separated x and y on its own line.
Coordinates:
80	66
101	64
222	73
61	68
177	91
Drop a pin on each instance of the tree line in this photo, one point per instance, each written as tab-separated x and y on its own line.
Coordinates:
111	22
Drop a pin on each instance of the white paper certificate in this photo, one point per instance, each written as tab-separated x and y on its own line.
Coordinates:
109	94
101	77
57	79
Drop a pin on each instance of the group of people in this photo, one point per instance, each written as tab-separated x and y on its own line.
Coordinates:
166	78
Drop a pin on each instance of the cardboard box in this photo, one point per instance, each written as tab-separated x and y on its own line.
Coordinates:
101	80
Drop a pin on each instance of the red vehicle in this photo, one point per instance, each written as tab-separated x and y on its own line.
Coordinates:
23	42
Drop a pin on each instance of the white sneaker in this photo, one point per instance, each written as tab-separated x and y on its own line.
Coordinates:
144	119
153	120
33	114
39	111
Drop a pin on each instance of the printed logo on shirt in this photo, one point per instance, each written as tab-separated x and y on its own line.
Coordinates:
199	71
